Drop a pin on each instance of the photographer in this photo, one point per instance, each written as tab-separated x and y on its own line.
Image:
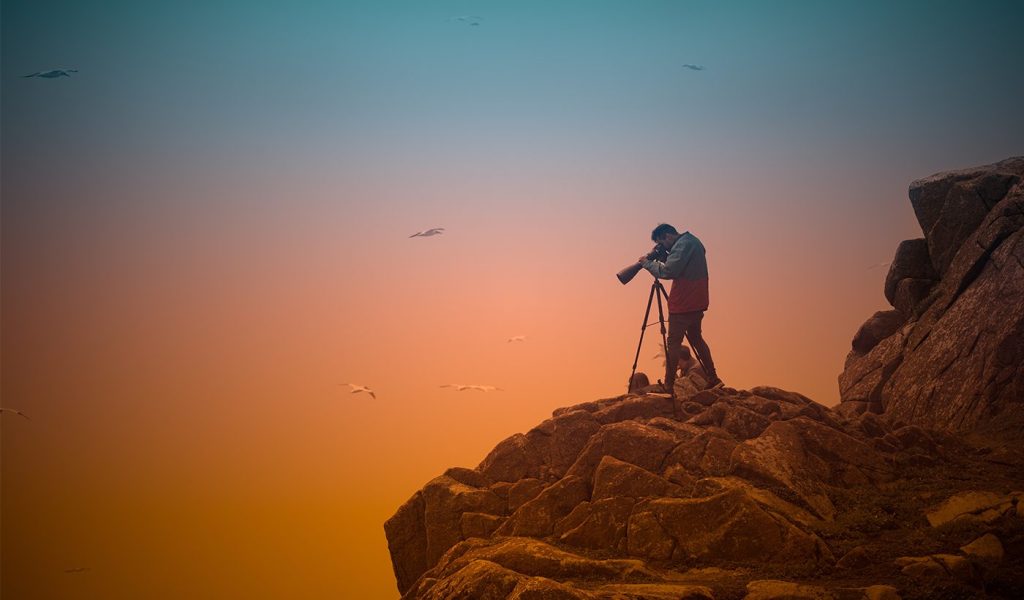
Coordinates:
680	257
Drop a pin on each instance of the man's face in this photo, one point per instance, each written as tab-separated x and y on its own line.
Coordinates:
665	241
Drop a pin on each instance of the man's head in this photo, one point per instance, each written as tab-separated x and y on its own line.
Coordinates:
665	235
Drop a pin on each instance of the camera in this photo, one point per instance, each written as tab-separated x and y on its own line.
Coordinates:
626	275
658	253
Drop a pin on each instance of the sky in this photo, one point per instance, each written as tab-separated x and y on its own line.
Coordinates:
205	230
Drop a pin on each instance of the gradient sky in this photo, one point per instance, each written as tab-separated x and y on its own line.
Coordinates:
204	232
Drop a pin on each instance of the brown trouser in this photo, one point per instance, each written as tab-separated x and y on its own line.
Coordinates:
688	324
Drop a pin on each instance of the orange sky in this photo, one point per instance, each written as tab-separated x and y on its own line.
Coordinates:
182	374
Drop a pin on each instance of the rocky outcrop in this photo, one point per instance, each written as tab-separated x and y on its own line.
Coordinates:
951	354
646	496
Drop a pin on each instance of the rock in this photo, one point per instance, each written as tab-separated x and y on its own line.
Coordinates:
957	566
938	566
729	527
739	421
853	408
779	457
538	516
951	206
523	491
769	589
541	588
646	537
480	579
880	326
800	455
539	559
407	542
615	478
709	486
864	374
964	503
958	364
710	453
599	525
881	592
479	524
774	393
911	296
641	407
637	381
857	558
547	449
912	261
656	591
468	477
920	567
986	548
871	425
629	441
444	502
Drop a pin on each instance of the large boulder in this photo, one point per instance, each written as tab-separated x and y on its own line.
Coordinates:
958	364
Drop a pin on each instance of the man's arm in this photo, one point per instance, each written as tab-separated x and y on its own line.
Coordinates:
674	264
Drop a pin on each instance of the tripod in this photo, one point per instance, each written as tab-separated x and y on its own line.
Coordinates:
657	289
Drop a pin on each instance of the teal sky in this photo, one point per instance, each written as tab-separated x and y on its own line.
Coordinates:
388	83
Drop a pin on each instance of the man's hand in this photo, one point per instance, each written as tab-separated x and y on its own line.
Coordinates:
642	259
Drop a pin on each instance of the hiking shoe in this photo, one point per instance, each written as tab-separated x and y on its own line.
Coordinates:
715	382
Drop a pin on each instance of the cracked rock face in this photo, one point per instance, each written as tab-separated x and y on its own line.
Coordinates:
951	356
712	495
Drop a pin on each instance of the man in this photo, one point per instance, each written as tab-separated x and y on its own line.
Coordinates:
687	267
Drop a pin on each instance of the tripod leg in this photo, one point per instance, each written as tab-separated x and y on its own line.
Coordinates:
643	329
664	334
671	354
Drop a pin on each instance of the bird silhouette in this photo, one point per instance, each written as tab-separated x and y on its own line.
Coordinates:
360	388
694	67
428	232
77	570
17	412
516	338
883	264
468	19
53	73
461	387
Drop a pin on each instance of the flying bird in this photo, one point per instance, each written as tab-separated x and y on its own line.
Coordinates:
53	74
77	570
17	412
487	388
469	19
693	67
884	264
516	338
459	387
428	233
360	388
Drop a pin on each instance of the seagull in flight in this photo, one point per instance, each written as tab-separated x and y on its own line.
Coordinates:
694	67
77	570
360	388
459	387
884	264
429	232
516	338
17	412
470	19
53	74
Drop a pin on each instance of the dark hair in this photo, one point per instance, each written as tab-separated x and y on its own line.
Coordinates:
661	230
